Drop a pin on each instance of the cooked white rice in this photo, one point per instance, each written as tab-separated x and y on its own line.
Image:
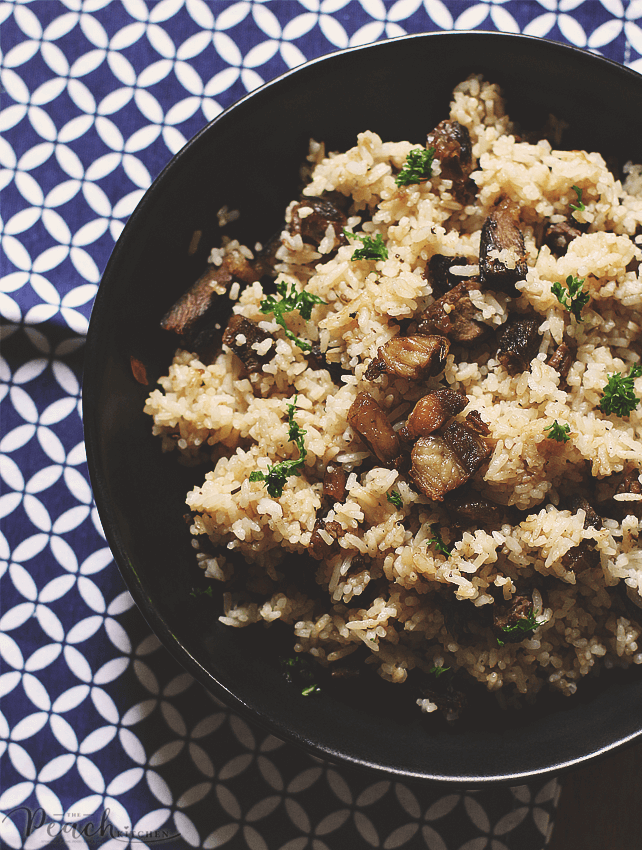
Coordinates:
218	415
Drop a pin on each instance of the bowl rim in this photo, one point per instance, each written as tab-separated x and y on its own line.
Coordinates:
91	425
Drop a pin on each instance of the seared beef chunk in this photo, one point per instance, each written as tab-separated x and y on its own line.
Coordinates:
441	463
584	556
630	484
501	233
453	149
562	359
334	483
439	275
432	411
518	343
372	425
560	235
191	310
436	469
466	508
319	547
240	335
410	357
313	225
506	616
470	448
453	315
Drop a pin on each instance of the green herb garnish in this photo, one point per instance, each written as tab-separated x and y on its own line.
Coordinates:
298	671
395	498
277	475
373	249
579	206
577	299
440	546
199	591
558	432
290	300
417	167
619	393
526	625
438	671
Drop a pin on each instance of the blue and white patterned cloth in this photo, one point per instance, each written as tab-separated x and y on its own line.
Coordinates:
104	740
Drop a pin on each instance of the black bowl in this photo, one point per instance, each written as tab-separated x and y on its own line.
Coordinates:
248	159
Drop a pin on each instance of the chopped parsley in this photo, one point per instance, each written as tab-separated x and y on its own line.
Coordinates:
577	299
558	432
373	249
298	671
395	498
619	393
526	625
417	167
579	206
440	546
437	671
291	300
277	475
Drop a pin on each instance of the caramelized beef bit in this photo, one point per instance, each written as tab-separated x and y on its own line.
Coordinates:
507	616
372	425
453	149
470	448
313	225
334	483
466	508
193	308
562	359
410	357
518	343
559	236
453	316
439	274
630	484
319	547
584	556
436	468
500	232
474	420
432	411
240	335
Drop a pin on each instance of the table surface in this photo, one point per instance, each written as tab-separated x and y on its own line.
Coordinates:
99	726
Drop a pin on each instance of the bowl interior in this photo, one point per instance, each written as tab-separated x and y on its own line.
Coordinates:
248	159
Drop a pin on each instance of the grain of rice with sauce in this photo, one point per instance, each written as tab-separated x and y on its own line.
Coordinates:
546	586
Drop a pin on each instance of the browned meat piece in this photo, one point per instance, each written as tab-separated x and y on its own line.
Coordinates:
470	448
240	335
432	411
466	508
436	469
319	547
453	315
630	484
518	343
507	616
474	420
584	556
453	149
559	236
372	425
410	357
184	317
334	483
500	232
313	226
439	275
562	359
